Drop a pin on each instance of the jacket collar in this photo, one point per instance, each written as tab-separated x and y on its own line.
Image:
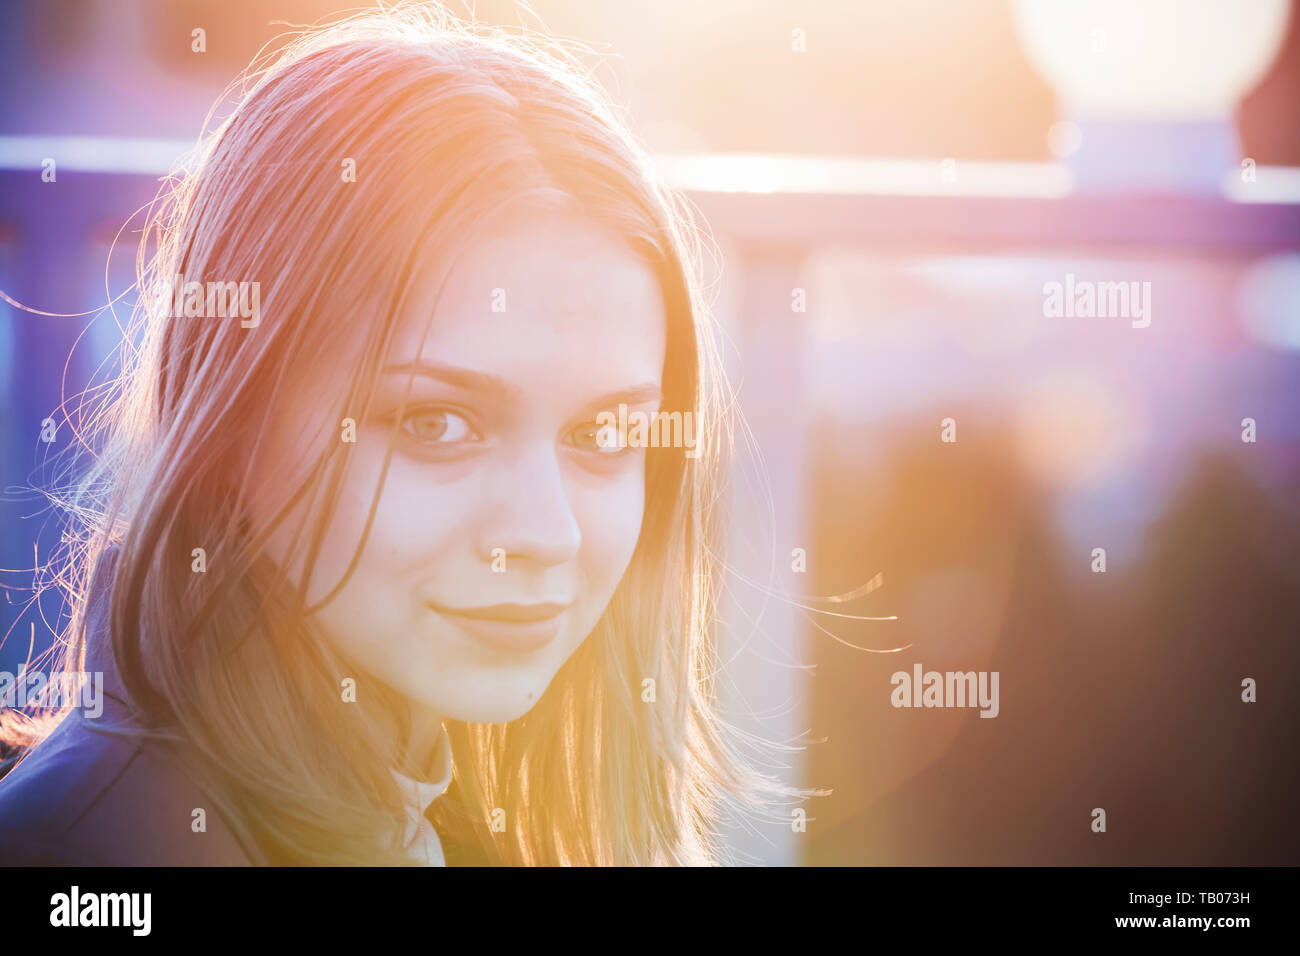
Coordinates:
101	662
421	840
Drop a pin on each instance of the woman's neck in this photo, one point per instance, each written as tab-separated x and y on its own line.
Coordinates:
426	734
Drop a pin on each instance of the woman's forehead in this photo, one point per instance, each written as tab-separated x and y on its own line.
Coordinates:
562	296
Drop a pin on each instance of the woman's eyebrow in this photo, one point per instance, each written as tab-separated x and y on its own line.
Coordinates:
464	378
493	384
636	395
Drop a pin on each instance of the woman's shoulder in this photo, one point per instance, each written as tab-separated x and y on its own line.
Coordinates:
90	798
89	794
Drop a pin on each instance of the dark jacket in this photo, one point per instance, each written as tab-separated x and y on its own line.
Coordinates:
91	798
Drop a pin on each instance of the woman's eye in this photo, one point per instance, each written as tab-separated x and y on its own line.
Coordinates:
438	426
601	439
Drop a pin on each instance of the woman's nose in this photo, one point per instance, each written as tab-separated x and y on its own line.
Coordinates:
527	512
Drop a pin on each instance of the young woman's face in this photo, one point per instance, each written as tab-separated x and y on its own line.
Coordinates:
502	526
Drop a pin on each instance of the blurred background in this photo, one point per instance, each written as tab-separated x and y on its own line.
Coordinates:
889	186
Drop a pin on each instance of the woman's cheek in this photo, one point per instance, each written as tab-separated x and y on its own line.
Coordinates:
348	521
420	514
615	527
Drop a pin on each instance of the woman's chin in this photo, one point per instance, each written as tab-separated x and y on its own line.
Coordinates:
500	709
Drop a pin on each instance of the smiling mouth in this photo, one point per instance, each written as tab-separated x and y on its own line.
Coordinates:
507	627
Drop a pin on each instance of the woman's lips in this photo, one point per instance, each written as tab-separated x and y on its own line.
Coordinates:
507	627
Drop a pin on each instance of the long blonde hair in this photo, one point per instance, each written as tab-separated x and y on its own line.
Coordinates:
441	123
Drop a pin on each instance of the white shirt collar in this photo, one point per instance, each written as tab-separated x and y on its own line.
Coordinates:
421	839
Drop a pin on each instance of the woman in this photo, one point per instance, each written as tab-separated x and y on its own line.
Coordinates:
357	543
